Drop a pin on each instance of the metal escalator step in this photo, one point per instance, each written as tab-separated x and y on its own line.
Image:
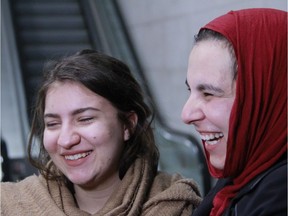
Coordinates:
47	7
55	37
35	67
51	51
58	22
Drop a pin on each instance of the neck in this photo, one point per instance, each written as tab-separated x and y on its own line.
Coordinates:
92	200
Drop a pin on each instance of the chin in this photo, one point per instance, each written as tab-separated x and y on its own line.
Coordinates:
78	179
218	164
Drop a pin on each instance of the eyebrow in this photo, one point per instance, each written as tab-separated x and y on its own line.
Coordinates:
203	87
75	112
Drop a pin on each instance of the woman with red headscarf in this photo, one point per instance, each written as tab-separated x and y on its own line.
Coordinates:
237	78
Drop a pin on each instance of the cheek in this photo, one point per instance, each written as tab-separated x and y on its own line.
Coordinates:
49	142
111	142
219	112
103	136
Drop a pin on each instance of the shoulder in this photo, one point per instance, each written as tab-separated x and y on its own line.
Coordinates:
17	191
16	187
164	181
265	195
173	193
207	204
19	197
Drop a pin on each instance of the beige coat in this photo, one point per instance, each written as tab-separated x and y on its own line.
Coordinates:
138	194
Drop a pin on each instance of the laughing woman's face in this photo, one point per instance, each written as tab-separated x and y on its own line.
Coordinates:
212	93
83	134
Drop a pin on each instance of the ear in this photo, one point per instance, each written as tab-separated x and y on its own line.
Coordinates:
129	128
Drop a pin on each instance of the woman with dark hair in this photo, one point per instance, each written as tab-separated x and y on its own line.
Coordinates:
92	142
237	77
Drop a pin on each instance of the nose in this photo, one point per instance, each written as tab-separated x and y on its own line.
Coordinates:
68	137
192	111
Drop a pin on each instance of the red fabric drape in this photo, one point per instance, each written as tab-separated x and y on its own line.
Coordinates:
258	122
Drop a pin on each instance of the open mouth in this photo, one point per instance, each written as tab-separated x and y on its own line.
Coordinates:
77	156
211	139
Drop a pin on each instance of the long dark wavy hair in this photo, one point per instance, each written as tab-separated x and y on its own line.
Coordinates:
111	79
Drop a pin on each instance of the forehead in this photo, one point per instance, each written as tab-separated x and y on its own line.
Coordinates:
72	95
67	86
210	61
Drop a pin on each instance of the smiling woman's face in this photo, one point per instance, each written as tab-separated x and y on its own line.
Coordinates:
212	94
83	134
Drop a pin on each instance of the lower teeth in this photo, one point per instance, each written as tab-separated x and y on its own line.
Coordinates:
212	142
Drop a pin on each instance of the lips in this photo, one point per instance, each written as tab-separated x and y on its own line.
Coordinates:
211	138
77	156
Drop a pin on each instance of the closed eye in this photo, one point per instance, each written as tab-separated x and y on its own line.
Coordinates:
51	124
207	94
86	119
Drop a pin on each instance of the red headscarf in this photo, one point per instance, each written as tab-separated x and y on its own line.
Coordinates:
258	122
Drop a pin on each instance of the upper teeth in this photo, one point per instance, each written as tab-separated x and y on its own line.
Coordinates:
76	156
208	137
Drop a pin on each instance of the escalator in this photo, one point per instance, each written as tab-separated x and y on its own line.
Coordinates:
47	29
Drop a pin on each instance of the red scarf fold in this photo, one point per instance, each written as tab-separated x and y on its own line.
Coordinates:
258	122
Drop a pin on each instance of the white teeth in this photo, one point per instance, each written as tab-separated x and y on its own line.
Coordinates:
77	156
212	142
210	138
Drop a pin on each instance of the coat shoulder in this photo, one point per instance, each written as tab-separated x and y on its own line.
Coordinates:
265	195
163	181
172	195
24	197
15	188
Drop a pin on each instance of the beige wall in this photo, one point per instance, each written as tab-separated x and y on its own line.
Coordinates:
163	31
